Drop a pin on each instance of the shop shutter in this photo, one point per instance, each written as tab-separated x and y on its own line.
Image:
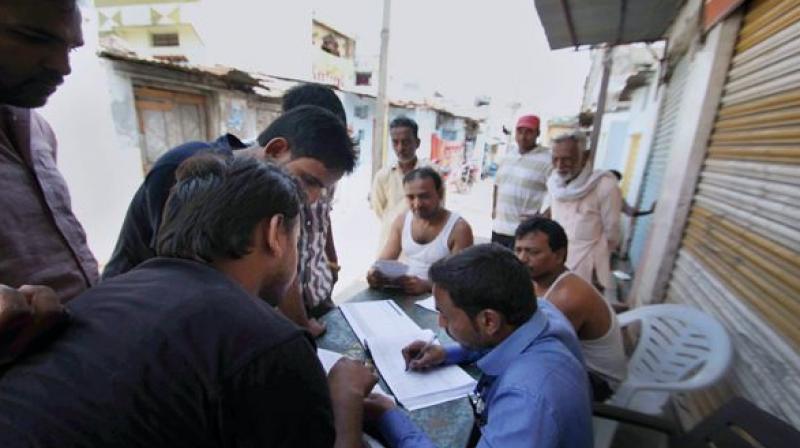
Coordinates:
740	254
659	156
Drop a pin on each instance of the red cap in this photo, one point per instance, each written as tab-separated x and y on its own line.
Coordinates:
528	121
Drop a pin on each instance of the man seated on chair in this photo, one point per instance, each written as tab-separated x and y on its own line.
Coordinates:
533	391
423	235
541	244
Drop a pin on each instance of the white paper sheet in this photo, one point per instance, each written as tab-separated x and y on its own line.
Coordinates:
416	390
391	269
368	319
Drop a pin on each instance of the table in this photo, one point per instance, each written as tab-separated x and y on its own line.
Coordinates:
447	424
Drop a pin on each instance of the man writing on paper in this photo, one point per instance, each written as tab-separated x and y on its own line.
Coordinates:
541	244
423	235
533	390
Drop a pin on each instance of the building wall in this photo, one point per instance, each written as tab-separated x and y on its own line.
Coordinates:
612	144
140	40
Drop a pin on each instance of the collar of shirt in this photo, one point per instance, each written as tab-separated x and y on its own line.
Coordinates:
496	361
230	141
536	149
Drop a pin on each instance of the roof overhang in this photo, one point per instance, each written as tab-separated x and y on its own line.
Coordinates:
572	23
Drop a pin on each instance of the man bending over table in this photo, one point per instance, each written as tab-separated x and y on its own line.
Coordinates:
533	390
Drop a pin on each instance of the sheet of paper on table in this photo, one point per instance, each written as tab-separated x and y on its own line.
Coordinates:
428	303
391	269
387	329
416	390
376	317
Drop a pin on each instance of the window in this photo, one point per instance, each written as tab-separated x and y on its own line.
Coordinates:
165	39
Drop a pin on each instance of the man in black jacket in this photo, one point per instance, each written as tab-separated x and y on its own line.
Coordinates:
184	350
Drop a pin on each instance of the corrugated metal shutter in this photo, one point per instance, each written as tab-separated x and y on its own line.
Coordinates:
740	254
659	155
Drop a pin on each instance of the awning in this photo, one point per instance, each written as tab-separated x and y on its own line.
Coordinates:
571	23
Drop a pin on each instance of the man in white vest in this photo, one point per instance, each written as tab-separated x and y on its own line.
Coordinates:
541	245
423	235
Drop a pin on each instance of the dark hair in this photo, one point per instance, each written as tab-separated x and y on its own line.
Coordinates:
213	209
405	122
556	236
617	174
316	133
424	172
487	276
314	95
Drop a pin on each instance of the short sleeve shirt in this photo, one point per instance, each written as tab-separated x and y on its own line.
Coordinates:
521	182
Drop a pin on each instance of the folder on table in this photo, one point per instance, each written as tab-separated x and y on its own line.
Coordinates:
386	328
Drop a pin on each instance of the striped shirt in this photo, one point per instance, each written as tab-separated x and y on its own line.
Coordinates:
316	278
521	186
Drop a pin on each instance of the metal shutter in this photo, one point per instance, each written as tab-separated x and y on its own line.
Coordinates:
659	156
740	254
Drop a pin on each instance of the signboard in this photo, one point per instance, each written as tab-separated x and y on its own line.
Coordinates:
715	11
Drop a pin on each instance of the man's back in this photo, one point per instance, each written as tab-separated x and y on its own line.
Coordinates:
136	240
541	392
170	354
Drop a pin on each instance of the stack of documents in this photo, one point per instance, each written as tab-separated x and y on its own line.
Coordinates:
386	329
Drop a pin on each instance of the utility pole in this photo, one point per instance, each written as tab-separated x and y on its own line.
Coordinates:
382	103
597	124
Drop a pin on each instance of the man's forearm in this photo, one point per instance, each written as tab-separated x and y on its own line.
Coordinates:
348	413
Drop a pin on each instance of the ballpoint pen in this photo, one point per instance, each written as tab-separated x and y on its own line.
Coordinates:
368	355
422	351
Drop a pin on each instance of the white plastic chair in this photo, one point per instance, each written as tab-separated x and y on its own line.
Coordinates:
680	349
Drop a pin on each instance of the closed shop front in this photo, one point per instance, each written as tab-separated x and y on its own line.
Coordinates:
659	156
740	254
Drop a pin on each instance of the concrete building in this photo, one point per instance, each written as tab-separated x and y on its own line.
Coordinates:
724	167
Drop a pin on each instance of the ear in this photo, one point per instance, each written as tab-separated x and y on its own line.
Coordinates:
274	235
489	321
562	255
278	150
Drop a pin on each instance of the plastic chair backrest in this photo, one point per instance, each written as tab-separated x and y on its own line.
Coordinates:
680	348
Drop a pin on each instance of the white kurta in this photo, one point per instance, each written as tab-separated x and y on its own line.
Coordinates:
592	226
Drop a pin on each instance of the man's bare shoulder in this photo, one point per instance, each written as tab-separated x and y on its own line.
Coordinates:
576	292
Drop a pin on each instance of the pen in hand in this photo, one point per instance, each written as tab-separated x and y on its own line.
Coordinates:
421	351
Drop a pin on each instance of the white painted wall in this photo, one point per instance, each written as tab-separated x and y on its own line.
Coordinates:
612	145
102	169
645	102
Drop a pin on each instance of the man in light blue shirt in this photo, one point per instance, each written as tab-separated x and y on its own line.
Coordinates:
534	390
